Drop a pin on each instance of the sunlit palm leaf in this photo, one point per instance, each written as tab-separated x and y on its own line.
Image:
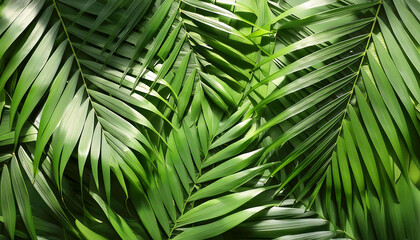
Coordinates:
197	119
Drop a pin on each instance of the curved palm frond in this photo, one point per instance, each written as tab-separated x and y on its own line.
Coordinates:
366	162
199	119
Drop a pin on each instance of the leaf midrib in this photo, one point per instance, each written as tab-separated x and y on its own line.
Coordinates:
356	77
76	58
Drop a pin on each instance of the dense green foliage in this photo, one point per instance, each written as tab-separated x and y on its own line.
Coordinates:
196	119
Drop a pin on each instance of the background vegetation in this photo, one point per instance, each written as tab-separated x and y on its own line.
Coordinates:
246	119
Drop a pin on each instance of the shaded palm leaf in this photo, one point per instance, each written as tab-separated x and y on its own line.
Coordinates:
197	119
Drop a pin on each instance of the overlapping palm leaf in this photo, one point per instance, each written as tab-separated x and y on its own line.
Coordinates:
194	119
361	159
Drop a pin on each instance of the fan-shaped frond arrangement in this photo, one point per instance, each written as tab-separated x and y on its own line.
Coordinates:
196	119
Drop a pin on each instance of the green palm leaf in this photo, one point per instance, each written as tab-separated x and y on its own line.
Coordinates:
194	119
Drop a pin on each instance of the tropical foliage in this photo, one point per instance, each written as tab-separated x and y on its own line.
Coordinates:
191	119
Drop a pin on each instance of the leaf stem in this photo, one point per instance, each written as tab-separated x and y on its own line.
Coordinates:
77	60
70	43
356	77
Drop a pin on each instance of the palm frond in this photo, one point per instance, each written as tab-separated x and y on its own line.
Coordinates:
372	160
195	119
